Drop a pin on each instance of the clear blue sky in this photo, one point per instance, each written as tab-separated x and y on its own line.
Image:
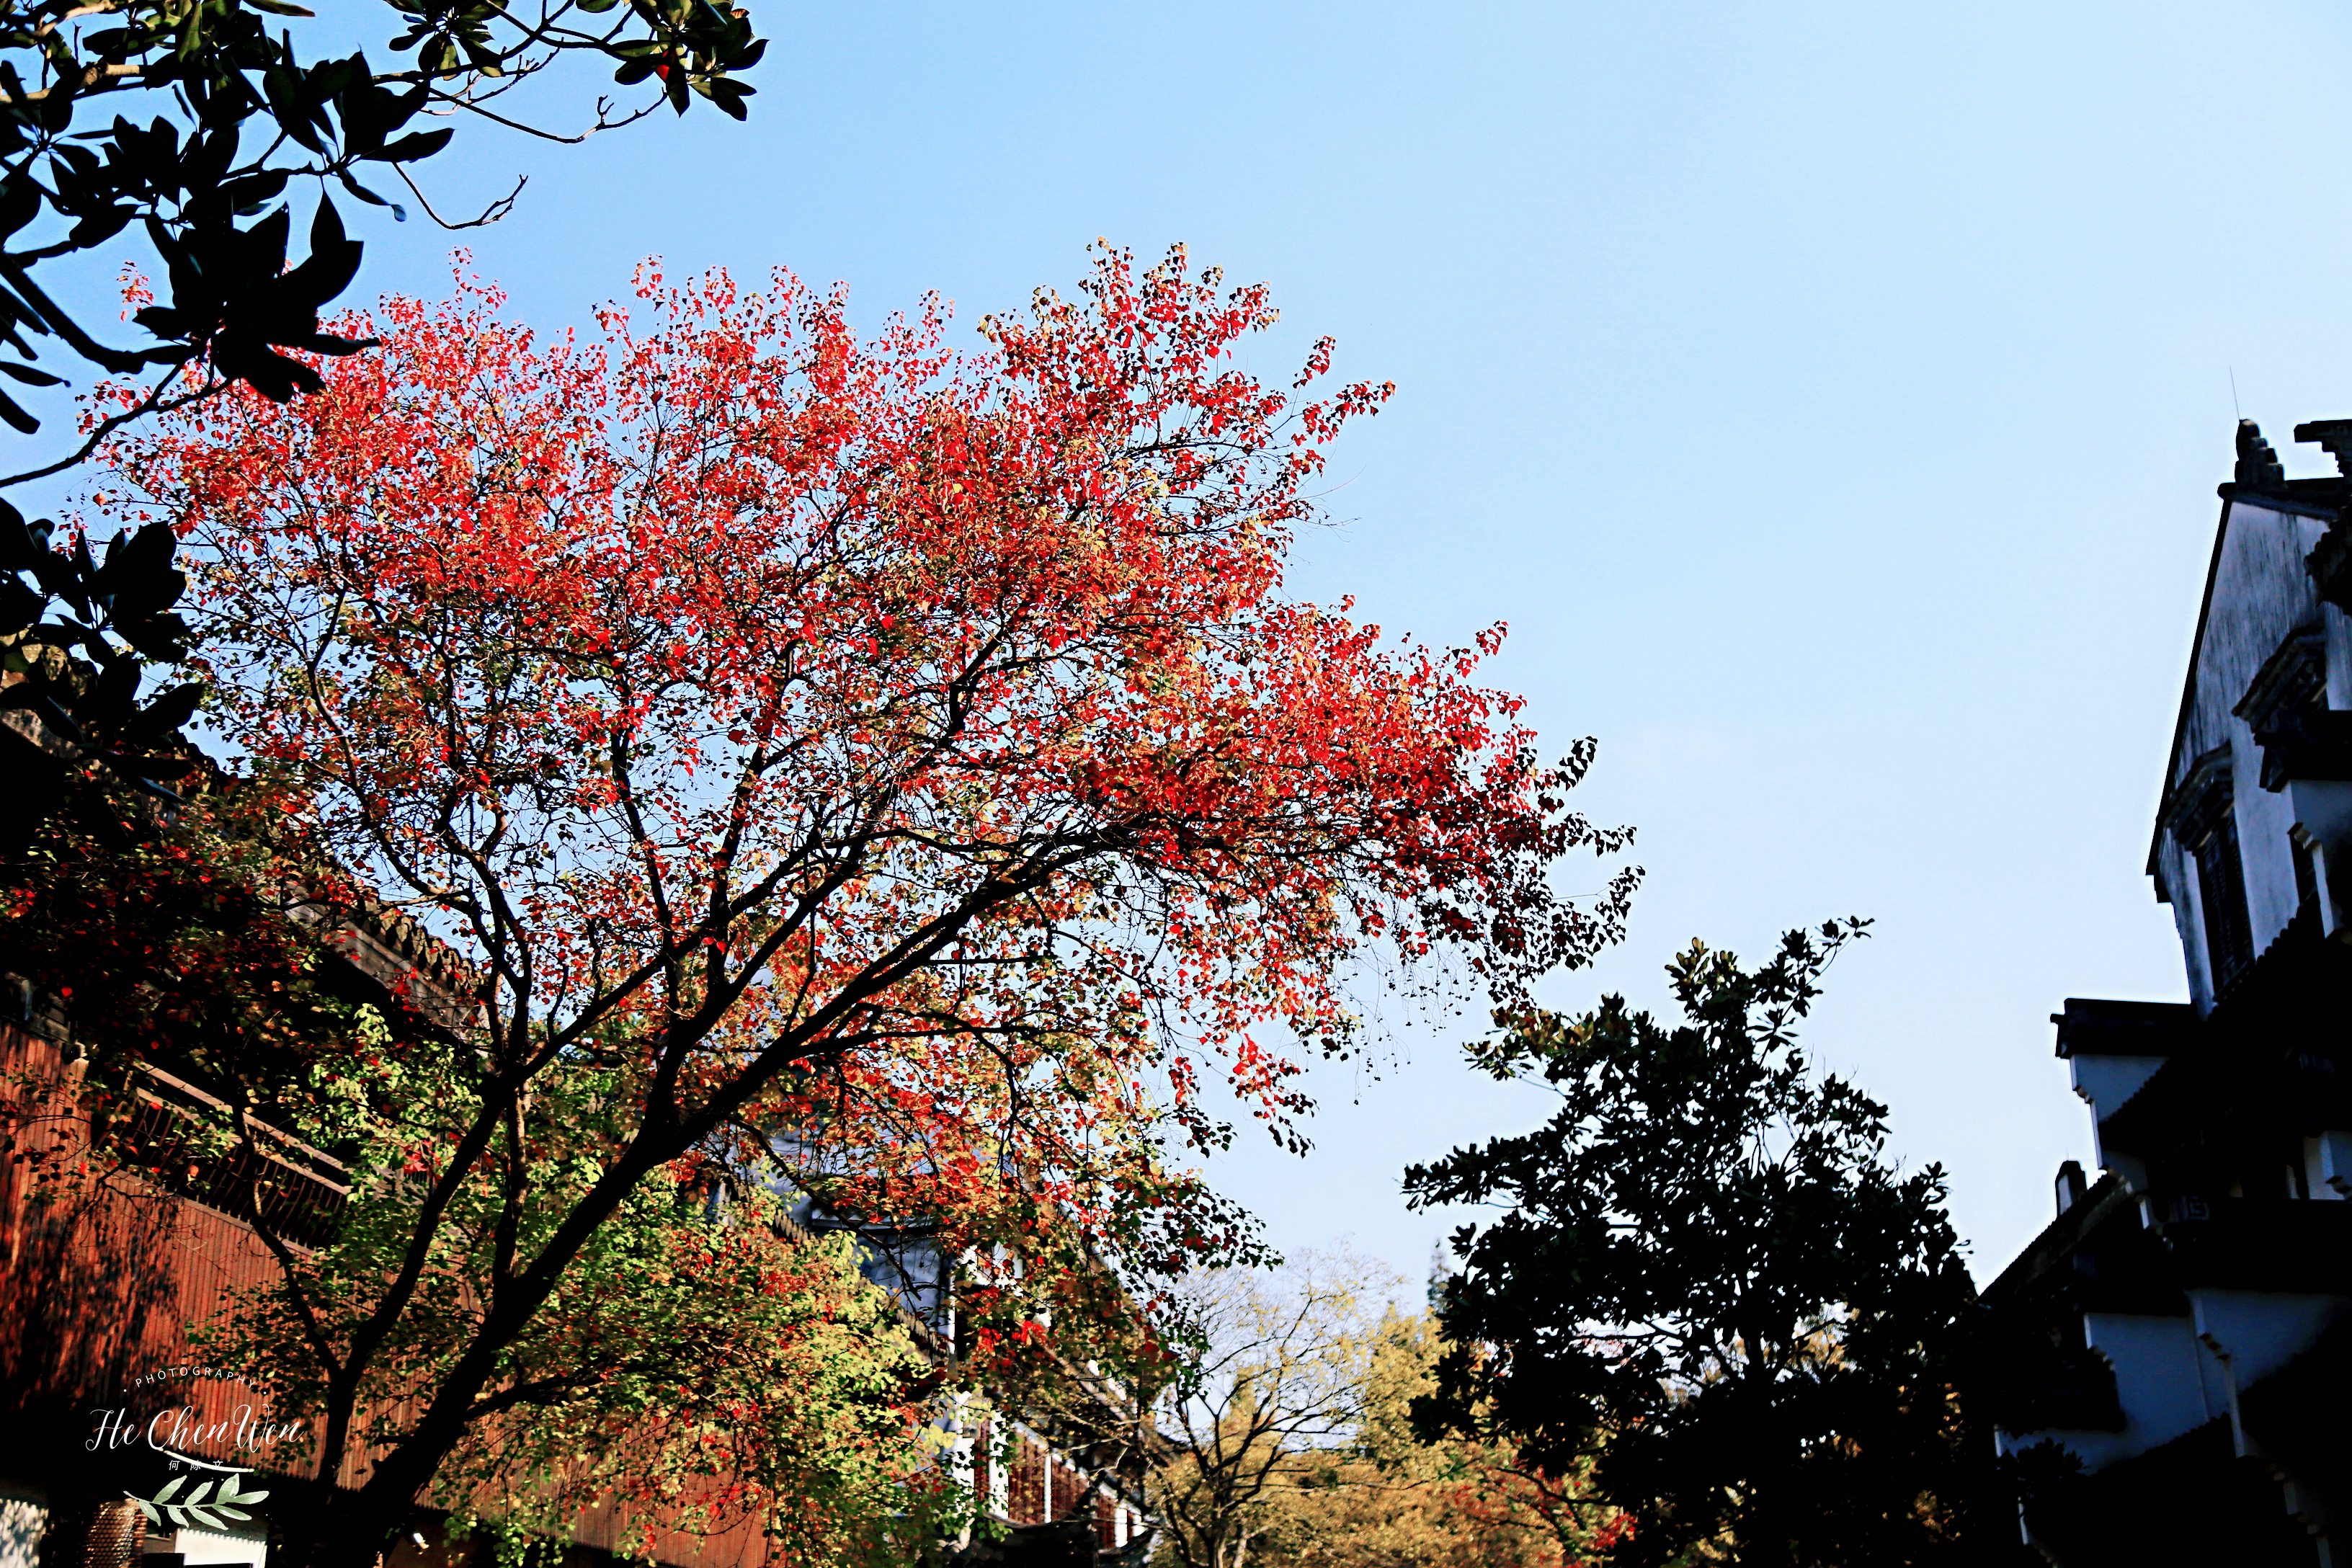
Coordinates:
1830	397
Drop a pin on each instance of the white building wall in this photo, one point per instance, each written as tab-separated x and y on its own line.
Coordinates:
251	1545
2260	593
2103	1083
2166	1382
2258	1331
2254	1333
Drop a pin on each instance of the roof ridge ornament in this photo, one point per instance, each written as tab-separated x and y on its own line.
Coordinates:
2258	465
2330	561
2334	435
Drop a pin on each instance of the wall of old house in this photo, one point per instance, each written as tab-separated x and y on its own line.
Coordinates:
2258	594
101	1282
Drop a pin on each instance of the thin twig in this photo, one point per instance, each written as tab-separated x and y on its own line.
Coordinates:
489	214
603	123
153	403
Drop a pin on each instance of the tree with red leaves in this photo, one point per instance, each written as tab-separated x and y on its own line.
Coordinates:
896	774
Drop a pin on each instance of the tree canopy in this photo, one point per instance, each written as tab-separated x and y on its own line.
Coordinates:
1279	1371
1711	1282
1289	1441
800	735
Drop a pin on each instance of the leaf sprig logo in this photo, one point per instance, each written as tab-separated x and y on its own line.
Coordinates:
206	1507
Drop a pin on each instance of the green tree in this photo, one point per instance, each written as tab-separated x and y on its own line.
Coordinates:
1280	1368
76	633
238	113
654	1377
1394	1497
1712	1282
1288	1439
175	129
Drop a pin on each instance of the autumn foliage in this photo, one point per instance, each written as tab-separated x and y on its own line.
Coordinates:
897	772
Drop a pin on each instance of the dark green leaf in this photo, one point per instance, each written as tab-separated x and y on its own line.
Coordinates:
415	145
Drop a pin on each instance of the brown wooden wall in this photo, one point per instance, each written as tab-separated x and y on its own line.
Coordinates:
101	1282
